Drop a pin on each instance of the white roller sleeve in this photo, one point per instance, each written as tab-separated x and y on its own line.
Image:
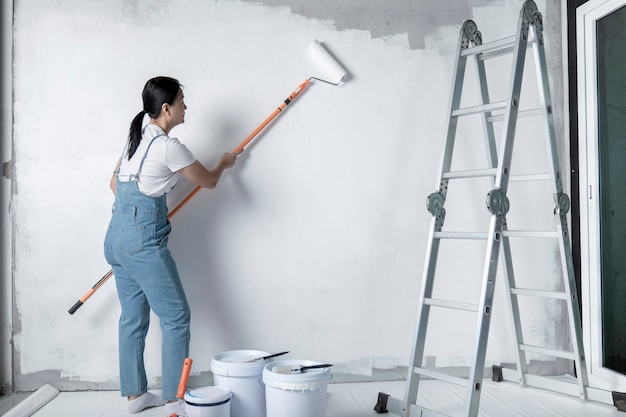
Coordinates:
33	402
333	71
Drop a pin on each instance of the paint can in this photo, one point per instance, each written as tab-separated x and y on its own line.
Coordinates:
208	402
295	394
234	371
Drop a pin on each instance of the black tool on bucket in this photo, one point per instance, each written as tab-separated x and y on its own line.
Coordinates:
297	369
262	358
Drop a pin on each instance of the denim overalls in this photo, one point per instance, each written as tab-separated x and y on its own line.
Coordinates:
146	278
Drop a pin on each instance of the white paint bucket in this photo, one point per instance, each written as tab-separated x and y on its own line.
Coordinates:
208	402
243	379
298	394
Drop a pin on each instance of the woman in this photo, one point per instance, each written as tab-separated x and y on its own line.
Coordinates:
136	241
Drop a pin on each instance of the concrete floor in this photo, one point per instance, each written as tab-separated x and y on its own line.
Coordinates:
358	400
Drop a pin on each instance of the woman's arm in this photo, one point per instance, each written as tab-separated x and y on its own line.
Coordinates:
208	178
113	181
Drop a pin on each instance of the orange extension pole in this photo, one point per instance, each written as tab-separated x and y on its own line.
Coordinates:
195	191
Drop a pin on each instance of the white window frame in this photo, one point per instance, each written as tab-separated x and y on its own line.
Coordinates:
587	16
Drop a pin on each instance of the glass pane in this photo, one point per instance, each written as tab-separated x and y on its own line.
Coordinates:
611	35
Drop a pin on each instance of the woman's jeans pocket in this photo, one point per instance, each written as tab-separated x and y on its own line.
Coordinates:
131	239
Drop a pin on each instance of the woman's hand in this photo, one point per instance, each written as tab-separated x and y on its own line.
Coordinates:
208	178
227	160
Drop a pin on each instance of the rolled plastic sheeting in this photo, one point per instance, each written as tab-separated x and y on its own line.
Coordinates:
29	406
333	71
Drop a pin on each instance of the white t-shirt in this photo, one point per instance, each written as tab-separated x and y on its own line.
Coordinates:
165	156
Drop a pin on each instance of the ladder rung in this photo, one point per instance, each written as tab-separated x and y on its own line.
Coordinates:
550	352
441	376
537	293
461	235
507	233
473	173
455	305
495	49
522	113
530	177
498	105
555	384
483	108
491	172
530	234
503	44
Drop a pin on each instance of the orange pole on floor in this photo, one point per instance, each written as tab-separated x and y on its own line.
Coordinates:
184	377
182	385
195	191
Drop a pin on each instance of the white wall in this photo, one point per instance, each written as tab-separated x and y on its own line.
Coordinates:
314	243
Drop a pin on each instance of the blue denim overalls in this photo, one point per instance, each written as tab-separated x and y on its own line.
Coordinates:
146	278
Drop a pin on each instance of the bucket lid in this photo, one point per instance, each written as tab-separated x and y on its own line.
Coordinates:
309	380
234	363
207	396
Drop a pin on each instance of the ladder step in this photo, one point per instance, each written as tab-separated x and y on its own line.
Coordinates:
454	305
495	106
551	352
440	376
495	49
473	173
483	108
461	235
507	233
530	177
563	386
522	113
537	293
501	45
530	234
491	172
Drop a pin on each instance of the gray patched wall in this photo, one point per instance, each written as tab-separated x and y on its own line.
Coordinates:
416	18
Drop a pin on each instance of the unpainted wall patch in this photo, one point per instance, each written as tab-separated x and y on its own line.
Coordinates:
56	378
416	18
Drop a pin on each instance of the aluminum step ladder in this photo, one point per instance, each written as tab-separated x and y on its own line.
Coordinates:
529	36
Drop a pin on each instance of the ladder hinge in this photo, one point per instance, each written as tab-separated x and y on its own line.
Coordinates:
471	34
497	202
563	204
434	204
531	14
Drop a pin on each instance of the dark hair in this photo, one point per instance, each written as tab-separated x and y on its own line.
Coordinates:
156	92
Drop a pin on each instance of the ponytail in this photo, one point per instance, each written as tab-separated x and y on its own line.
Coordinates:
156	92
134	136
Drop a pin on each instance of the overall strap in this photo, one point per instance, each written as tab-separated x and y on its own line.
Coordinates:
135	176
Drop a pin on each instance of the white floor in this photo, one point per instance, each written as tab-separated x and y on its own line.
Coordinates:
503	399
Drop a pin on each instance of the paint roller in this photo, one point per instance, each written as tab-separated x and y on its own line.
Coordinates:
334	75
327	63
35	401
